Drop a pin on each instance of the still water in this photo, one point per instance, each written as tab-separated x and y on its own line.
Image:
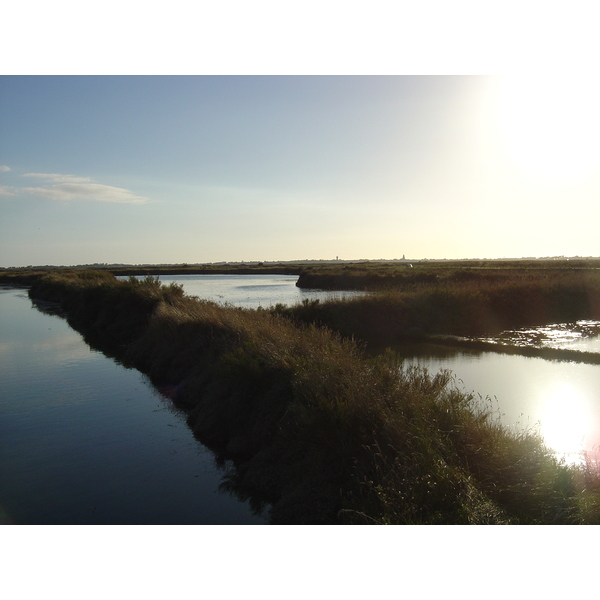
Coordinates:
559	399
581	335
85	441
250	291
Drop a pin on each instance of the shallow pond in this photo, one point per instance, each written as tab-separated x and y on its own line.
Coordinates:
85	441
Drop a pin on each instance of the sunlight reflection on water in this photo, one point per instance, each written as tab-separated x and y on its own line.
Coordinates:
582	335
559	399
567	421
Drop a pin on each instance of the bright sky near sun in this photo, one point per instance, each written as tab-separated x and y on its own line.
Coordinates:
192	169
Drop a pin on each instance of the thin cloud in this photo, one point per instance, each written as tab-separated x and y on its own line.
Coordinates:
6	191
95	192
4	169
68	188
58	178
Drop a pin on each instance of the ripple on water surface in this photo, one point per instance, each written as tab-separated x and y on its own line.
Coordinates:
580	335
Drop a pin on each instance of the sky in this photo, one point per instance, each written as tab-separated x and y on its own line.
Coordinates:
233	162
207	168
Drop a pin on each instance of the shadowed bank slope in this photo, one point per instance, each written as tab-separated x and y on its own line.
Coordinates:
318	432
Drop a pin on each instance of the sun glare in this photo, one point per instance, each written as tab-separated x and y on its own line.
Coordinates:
551	125
565	421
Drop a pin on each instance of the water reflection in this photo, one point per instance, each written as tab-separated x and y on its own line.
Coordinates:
251	291
567	421
582	335
85	441
560	399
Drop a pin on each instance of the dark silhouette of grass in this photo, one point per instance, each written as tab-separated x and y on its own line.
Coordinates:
453	302
320	433
385	276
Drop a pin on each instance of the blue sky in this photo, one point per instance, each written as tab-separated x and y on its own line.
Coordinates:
174	169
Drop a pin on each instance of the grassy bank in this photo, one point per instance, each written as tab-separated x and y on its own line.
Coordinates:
17	274
404	276
472	302
21	277
255	269
319	432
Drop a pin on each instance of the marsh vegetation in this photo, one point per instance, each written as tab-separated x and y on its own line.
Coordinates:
470	301
322	432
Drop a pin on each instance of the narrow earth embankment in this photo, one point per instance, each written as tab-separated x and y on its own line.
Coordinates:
318	432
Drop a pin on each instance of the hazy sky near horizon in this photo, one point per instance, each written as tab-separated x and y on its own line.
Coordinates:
174	169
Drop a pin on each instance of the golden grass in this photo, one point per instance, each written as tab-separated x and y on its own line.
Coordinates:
319	432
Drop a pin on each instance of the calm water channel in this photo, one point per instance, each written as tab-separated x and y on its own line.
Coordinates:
84	440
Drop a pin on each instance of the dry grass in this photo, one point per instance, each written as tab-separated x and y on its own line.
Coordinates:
320	433
454	302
